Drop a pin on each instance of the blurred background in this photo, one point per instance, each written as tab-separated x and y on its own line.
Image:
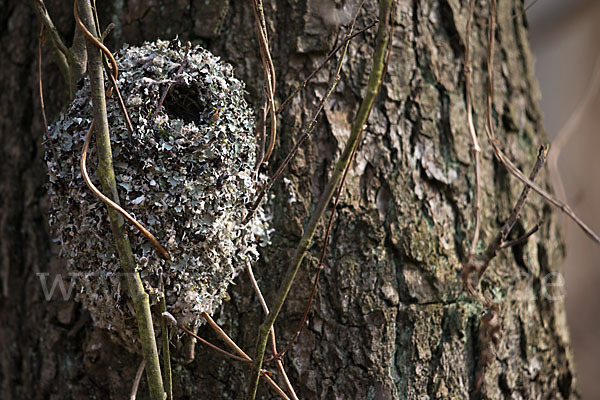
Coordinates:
565	39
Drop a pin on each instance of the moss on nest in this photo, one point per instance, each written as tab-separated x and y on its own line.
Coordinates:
186	174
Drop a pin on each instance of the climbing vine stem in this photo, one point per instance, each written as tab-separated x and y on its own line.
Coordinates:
373	86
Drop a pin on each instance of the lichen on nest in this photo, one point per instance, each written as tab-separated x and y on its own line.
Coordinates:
187	174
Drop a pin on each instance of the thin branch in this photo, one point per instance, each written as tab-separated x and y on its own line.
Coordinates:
166	352
243	356
373	86
164	94
91	37
42	104
520	240
122	105
517	15
471	128
474	270
61	51
276	355
106	175
495	144
269	71
137	379
261	137
216	348
305	135
309	128
322	64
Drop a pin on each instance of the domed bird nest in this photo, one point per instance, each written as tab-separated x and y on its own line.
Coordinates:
186	173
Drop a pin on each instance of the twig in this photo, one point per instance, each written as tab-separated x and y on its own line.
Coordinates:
42	104
177	325
522	239
269	70
276	355
495	144
243	356
106	175
305	135
474	270
322	64
517	15
119	97
136	381
164	94
261	137
307	131
471	128
166	353
162	251
235	347
61	51
96	42
373	85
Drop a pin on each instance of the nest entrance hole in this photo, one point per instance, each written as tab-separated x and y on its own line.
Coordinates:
184	102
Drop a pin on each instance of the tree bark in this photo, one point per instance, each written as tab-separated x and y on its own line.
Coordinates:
390	320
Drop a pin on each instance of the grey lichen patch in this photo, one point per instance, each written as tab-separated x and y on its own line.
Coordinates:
186	174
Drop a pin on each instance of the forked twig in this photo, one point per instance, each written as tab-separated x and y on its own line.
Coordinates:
163	252
97	43
172	321
520	240
61	52
517	15
164	94
305	135
475	268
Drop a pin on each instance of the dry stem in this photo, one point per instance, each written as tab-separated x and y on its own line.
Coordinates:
471	128
495	144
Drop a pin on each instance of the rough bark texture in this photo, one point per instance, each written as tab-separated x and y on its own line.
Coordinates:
390	320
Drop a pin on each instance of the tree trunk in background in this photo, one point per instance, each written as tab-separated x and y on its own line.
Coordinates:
390	320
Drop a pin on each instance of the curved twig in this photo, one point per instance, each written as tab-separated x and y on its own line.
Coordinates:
97	43
269	70
163	252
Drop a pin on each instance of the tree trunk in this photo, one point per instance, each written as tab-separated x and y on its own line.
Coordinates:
390	320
